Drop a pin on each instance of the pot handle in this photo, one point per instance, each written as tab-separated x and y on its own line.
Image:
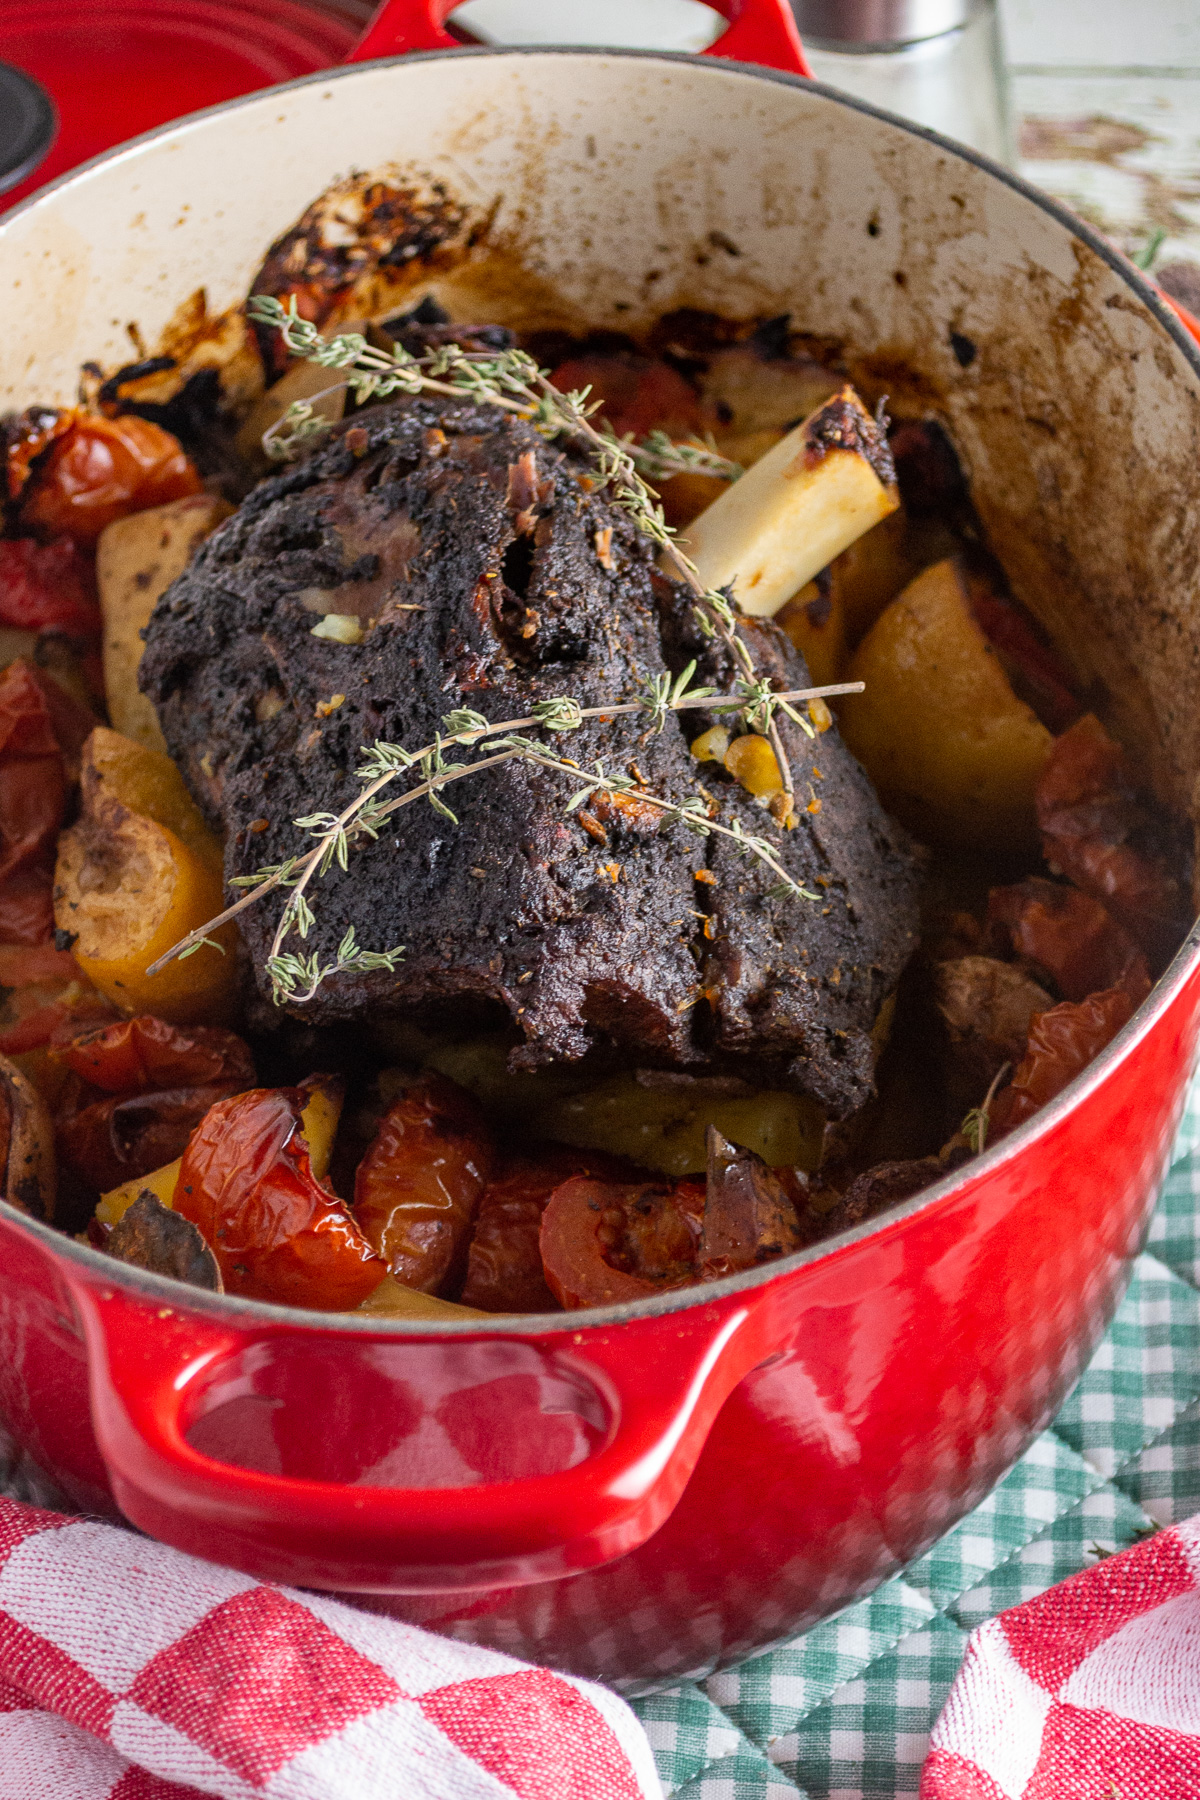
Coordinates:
759	31
144	1366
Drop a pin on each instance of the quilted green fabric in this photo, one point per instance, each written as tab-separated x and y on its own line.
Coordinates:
845	1711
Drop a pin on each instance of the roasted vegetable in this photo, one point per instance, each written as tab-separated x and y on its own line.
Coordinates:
137	559
815	620
950	748
47	587
33	798
420	1183
138	872
1104	837
749	1215
659	1121
100	469
603	1242
636	394
1067	935
504	1263
247	1181
392	1300
142	1088
987	1007
152	1236
886	1185
1062	1042
27	1174
801	504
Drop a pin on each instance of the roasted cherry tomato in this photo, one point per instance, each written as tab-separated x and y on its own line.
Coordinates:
47	587
1098	833
419	1185
146	1053
102	469
1037	675
1062	1042
33	798
158	1081
605	1242
504	1263
1068	934
635	394
247	1183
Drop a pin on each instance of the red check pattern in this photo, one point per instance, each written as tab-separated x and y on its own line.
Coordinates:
1090	1691
129	1671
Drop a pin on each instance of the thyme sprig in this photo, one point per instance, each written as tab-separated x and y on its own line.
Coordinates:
511	379
464	728
977	1124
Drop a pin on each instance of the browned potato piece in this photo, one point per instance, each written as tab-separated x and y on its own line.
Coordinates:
137	559
26	1145
137	873
815	620
303	381
953	752
871	573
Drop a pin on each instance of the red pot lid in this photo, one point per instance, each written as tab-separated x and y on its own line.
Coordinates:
116	69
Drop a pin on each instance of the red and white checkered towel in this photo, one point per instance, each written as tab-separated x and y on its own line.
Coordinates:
1089	1692
129	1671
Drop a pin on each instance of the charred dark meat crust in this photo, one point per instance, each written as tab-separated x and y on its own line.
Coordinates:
496	578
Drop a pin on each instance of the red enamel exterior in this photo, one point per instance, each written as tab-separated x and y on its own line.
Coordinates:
759	31
802	1438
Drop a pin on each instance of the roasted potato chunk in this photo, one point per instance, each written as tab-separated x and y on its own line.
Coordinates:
138	872
952	751
137	559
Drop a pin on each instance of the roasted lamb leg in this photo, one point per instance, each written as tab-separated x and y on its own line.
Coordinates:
448	556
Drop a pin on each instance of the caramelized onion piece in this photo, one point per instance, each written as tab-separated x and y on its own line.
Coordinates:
152	1236
26	1145
749	1216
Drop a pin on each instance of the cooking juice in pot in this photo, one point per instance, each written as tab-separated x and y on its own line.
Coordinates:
505	820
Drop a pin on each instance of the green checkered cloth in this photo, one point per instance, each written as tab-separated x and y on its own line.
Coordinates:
845	1711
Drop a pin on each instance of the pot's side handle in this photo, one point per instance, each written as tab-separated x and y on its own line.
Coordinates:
759	31
663	1390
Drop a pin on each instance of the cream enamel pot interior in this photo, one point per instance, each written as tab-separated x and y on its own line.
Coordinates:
660	1490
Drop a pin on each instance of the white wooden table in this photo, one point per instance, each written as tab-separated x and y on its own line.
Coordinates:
1106	95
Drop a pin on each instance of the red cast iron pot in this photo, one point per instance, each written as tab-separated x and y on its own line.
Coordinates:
660	1489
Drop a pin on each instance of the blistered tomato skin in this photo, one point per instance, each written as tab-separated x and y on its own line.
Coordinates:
247	1183
101	469
419	1185
48	587
605	1242
1088	811
143	1053
1062	1042
504	1263
141	1088
1069	934
33	798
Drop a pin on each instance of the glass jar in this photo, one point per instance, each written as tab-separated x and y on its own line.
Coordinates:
937	62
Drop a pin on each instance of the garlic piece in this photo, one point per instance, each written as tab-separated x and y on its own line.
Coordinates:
339	628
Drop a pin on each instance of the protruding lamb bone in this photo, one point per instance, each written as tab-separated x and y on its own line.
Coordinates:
799	506
748	1216
26	1145
151	1236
